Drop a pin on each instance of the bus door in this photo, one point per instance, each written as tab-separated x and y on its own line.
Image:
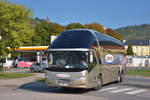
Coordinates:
93	68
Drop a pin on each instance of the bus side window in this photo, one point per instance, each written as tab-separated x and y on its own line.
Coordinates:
94	60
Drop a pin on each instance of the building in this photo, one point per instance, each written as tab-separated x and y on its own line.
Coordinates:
140	47
30	55
137	61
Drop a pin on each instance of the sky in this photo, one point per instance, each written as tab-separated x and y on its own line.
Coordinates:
109	13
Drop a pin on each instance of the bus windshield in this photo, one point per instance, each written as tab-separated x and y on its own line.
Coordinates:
68	59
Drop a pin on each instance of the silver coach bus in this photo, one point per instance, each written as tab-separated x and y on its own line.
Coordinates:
84	58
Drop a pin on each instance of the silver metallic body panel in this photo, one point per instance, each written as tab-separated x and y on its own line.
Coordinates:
73	79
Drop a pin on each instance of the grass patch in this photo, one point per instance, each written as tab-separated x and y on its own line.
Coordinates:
14	75
145	73
40	80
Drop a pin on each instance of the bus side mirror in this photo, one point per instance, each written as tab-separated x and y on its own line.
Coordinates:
50	58
91	57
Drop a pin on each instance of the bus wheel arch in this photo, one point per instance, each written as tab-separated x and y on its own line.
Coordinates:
99	82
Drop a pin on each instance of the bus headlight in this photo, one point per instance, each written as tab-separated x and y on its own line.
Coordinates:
84	73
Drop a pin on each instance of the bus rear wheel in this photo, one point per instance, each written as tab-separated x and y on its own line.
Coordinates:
119	77
99	82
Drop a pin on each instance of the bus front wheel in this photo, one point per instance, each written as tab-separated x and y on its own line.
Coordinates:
99	82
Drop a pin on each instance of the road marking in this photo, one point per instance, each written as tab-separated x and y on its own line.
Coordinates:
136	92
120	90
107	89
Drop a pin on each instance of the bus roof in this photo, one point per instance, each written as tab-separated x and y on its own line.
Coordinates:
82	38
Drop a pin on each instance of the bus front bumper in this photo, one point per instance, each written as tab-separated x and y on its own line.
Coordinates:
75	83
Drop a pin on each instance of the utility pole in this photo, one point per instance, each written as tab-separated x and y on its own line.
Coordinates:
2	59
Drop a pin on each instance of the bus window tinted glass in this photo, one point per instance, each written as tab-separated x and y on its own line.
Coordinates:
74	39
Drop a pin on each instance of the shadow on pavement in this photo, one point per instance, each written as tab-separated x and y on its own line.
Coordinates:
41	87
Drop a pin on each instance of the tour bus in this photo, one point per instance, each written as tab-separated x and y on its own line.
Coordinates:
83	58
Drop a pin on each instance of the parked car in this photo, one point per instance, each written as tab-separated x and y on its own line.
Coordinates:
38	67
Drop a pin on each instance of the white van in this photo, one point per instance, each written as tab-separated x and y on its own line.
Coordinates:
7	62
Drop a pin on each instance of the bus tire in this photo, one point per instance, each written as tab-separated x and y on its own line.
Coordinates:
122	76
99	82
119	77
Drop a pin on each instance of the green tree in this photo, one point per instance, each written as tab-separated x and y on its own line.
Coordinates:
15	25
42	34
95	26
57	29
15	28
36	40
3	53
112	33
130	50
74	26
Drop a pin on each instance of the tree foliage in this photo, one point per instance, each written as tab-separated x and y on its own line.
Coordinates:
42	34
74	26
57	29
3	50
95	26
113	33
130	50
14	25
17	28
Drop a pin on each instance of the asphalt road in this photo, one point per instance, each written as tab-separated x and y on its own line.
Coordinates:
133	88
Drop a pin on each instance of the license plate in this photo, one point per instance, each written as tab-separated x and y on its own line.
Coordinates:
63	82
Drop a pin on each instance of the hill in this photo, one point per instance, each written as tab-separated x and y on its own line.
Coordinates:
135	32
